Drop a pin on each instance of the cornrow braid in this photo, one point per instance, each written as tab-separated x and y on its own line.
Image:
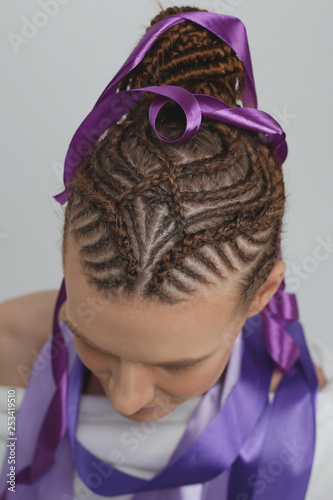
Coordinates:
189	56
161	220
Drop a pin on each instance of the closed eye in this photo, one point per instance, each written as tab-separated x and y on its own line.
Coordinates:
177	368
169	368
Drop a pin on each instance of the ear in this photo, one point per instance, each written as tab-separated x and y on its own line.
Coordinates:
267	289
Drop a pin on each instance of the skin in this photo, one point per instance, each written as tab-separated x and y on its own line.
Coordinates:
120	341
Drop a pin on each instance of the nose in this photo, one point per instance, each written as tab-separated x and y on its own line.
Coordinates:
130	387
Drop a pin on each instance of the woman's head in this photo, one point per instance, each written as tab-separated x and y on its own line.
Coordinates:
174	226
137	349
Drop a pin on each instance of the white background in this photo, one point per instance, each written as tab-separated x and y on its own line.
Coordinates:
51	83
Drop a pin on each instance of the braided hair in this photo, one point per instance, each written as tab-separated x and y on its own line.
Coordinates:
161	221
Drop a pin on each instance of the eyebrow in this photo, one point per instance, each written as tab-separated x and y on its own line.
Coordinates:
180	363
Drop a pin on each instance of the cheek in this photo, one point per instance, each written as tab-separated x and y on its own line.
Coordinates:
194	382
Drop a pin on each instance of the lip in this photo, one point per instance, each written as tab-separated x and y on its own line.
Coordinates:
145	410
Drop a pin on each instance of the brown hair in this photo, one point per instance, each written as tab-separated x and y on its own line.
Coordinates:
159	221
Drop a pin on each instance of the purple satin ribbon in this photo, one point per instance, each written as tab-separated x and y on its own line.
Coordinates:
112	105
285	436
42	420
278	313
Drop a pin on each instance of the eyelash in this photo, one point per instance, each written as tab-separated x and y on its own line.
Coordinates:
169	369
178	368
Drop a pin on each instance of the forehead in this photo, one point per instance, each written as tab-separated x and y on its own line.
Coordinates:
189	328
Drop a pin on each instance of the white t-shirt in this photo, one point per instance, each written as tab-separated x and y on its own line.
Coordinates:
142	449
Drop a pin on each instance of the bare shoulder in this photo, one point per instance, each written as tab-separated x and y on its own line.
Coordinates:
25	325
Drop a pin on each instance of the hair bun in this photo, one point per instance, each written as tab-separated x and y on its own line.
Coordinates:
189	56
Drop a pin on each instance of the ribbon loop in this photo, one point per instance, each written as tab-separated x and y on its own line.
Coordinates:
197	105
114	106
185	100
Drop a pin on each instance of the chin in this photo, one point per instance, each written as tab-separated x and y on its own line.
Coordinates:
146	417
149	416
